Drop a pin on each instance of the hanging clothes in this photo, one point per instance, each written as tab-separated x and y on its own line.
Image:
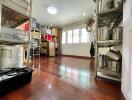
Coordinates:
92	50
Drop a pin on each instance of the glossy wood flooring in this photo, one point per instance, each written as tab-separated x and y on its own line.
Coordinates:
66	78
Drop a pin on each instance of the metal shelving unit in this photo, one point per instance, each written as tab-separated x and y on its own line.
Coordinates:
12	36
111	18
24	9
36	46
15	77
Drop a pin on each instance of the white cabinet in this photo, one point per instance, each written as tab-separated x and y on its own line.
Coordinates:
51	49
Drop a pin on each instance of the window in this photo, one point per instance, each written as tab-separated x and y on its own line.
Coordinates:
84	36
63	37
69	36
76	36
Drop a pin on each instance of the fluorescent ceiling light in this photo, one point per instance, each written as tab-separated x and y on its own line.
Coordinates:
84	14
52	10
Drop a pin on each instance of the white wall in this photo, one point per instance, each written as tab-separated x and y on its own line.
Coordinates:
127	51
76	49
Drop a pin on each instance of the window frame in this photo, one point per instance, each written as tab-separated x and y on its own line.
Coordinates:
65	38
87	41
80	36
71	37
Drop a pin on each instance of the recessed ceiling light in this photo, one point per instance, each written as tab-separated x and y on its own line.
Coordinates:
84	14
52	10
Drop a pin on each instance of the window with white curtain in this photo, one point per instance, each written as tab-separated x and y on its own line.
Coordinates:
69	36
76	36
63	37
84	36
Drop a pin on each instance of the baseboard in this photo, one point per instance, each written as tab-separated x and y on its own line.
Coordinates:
124	93
80	57
127	96
122	96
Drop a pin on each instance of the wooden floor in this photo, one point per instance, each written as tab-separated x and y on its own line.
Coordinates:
66	79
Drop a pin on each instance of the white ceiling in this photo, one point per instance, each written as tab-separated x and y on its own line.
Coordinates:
69	11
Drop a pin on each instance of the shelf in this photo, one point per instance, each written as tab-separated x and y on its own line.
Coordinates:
36	30
45	47
5	41
20	6
36	54
12	31
11	36
36	38
106	71
34	61
36	46
107	17
100	74
44	41
109	43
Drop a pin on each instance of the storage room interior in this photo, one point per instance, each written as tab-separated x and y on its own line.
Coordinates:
65	50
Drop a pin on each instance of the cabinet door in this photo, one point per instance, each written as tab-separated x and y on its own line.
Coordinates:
51	49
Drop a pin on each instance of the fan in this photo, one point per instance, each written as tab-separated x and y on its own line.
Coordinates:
90	24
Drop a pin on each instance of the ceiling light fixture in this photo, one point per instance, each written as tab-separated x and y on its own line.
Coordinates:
84	14
52	10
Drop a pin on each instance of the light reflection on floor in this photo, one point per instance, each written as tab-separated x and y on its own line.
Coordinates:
69	70
78	75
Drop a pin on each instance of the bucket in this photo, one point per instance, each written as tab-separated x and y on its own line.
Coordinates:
6	57
117	3
100	59
104	33
113	55
105	5
11	57
117	34
19	56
